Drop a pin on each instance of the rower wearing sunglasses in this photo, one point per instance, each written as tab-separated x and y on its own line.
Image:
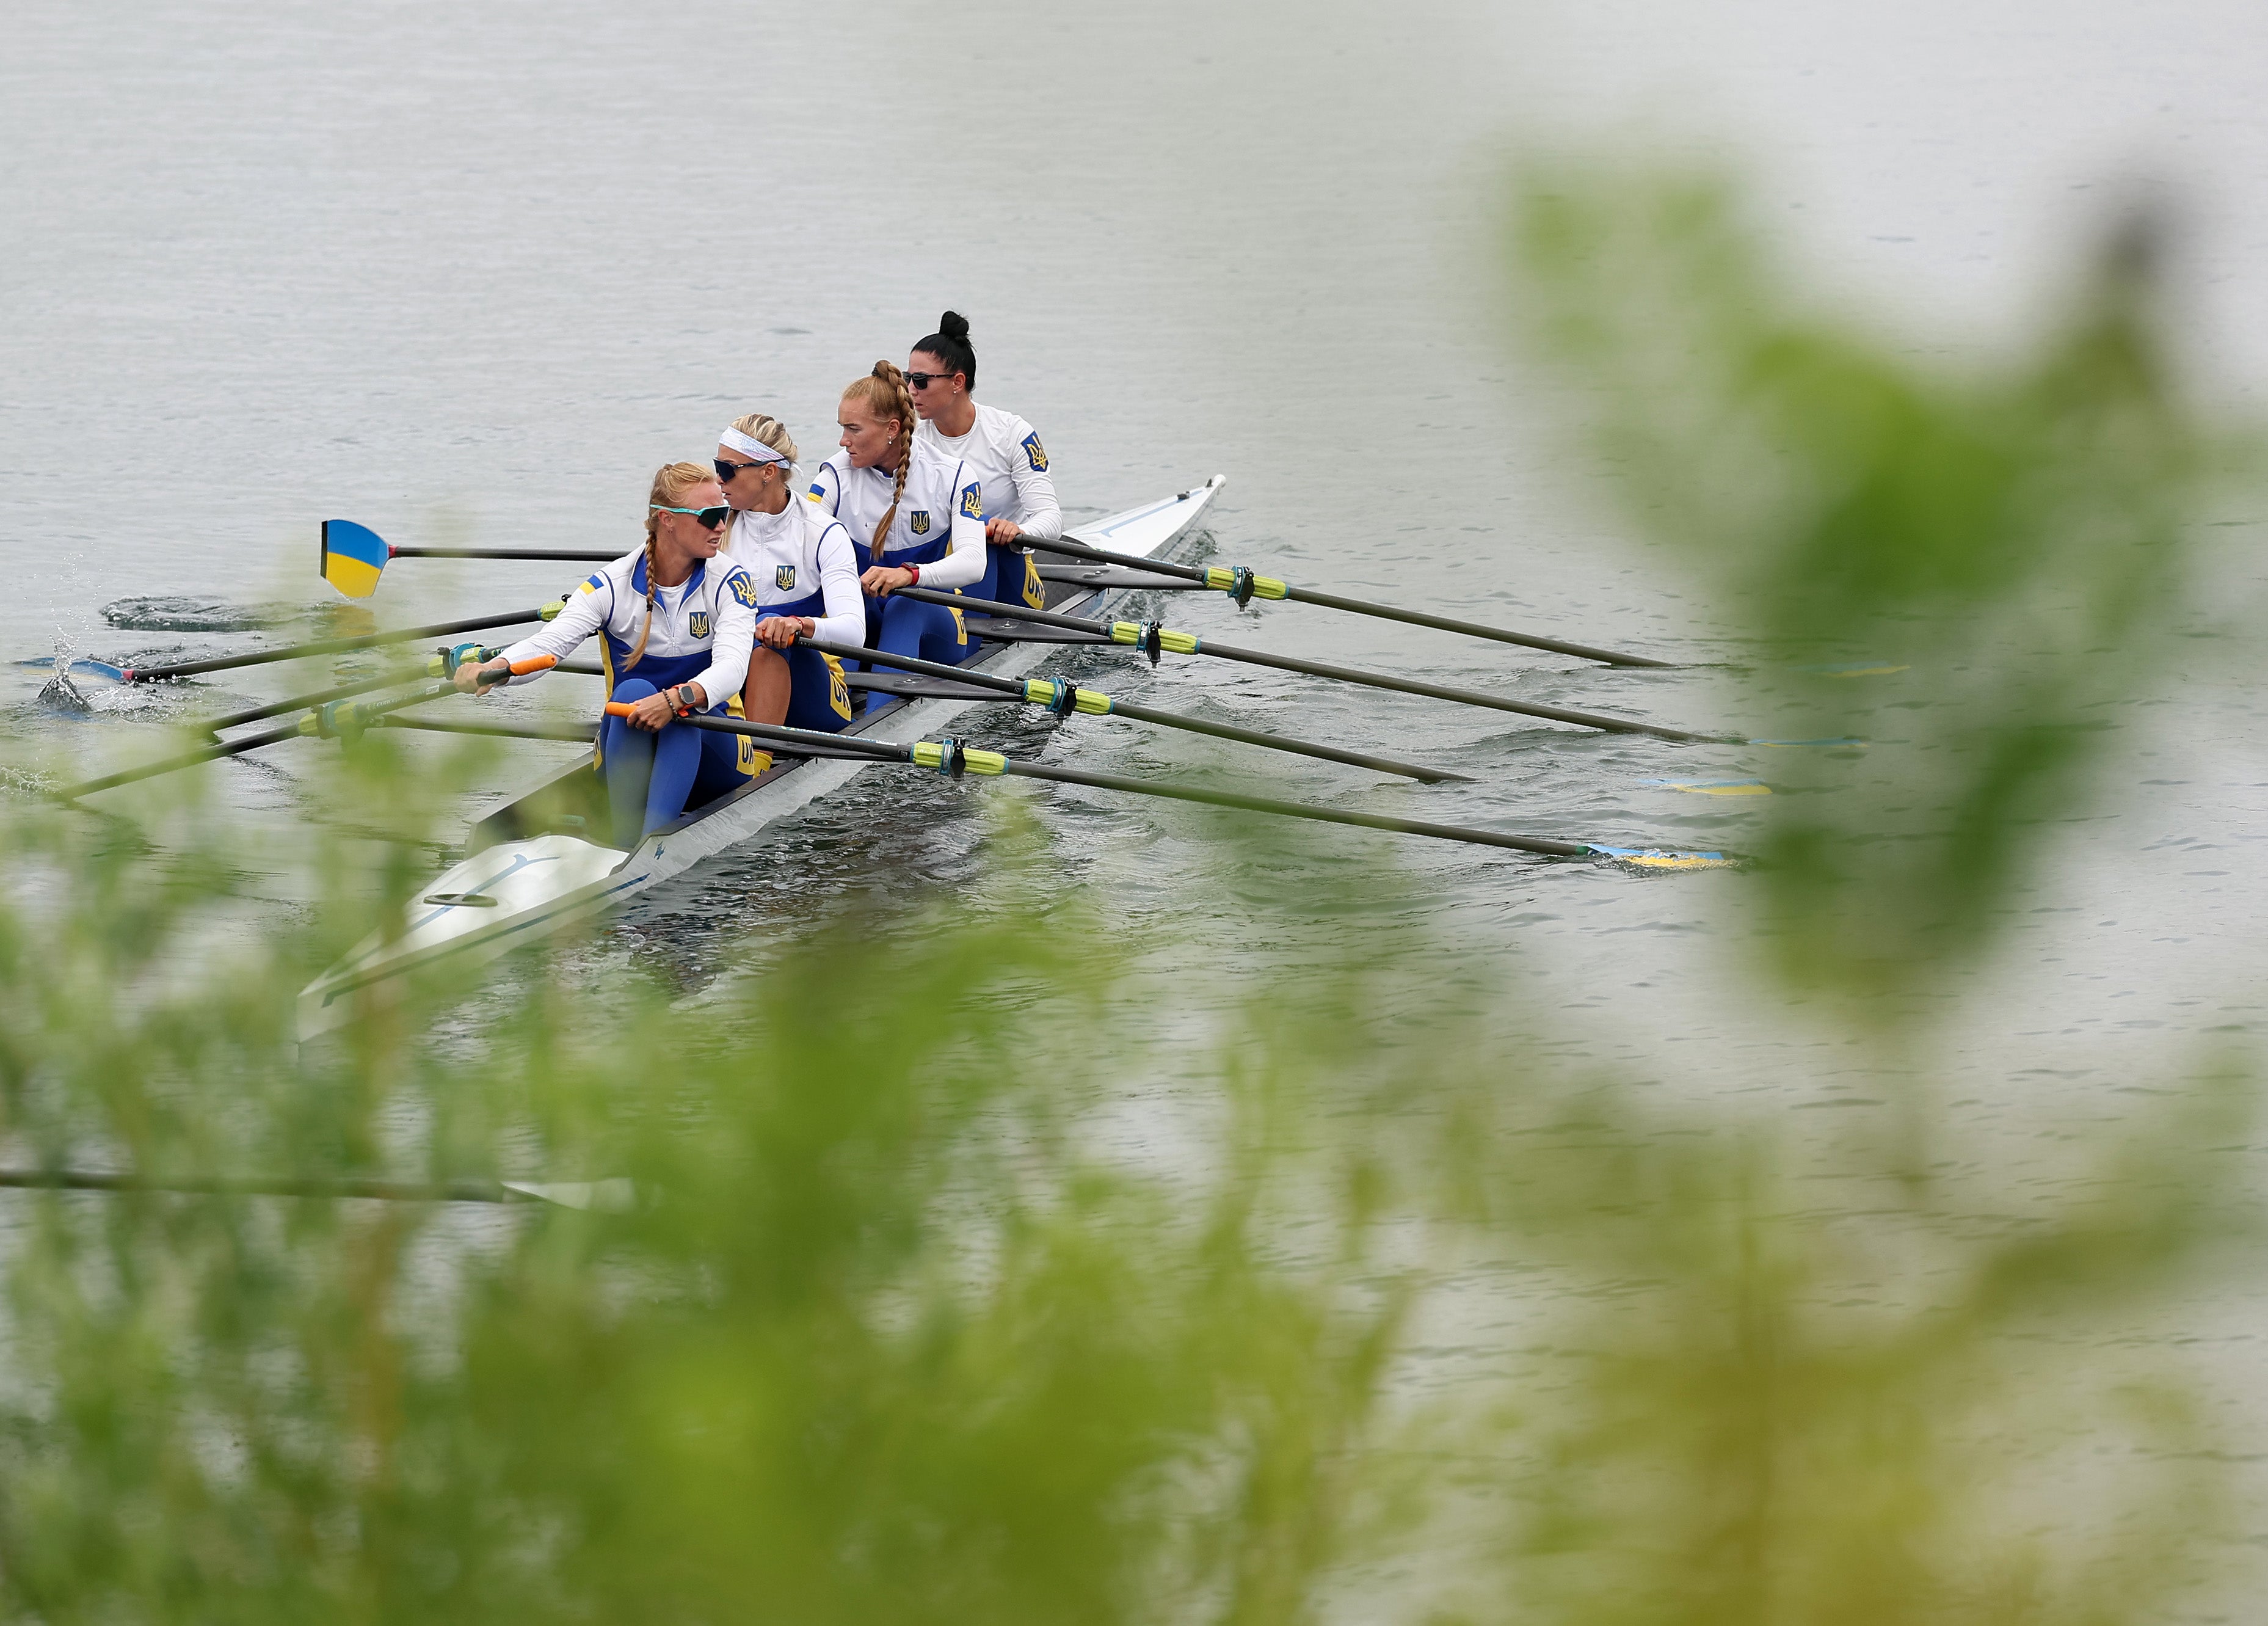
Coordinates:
683	621
916	516
806	573
1019	496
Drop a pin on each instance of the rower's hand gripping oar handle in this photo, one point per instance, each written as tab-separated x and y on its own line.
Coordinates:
623	708
449	663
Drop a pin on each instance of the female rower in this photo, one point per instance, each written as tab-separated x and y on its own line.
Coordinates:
1020	497
806	573
684	621
916	516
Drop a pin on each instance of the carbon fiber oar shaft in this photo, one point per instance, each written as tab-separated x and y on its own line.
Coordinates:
1243	586
1065	697
334	646
1138	635
187	759
950	757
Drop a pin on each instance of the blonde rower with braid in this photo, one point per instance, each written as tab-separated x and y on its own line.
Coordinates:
916	516
806	575
683	620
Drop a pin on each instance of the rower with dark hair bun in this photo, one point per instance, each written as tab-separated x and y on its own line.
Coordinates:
1019	496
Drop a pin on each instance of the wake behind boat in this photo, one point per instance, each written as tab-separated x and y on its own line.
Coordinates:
538	863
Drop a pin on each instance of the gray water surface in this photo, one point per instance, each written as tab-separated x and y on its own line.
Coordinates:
467	275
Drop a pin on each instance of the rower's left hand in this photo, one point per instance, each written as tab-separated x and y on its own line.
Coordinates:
879	579
1000	533
781	631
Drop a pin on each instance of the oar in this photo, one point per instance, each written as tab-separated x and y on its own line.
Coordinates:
569	1194
572	734
444	664
1151	638
951	757
1063	699
353	554
1117	576
339	718
332	646
1243	586
305	702
187	759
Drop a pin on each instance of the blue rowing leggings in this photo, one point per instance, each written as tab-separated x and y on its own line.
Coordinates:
652	778
819	697
926	632
1010	578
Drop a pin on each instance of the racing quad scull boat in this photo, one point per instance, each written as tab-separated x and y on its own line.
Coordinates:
534	865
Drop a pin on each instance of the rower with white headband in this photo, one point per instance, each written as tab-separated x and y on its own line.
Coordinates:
1020	494
681	619
806	571
916	515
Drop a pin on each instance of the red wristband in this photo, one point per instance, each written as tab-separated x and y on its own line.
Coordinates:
915	572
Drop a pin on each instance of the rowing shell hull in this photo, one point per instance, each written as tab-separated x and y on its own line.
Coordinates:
515	892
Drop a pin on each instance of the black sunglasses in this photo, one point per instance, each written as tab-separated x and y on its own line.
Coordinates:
710	519
923	381
727	469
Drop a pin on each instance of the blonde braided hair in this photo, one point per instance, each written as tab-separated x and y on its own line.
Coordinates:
883	392
671	482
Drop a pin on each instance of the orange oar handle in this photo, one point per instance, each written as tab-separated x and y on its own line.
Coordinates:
621	708
534	663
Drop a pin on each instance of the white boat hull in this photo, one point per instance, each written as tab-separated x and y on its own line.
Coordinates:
516	891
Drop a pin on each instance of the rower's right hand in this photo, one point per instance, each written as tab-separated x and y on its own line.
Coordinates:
651	713
481	679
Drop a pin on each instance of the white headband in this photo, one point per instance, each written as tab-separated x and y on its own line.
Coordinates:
750	447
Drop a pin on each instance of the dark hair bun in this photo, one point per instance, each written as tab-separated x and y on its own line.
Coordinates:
954	325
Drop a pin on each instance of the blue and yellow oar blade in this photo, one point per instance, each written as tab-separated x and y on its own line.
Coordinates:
84	667
1654	858
1714	787
353	555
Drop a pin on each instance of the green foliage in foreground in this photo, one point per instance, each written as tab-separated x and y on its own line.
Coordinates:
900	1323
889	1334
2014	532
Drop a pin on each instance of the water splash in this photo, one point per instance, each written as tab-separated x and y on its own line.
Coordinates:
21	781
60	694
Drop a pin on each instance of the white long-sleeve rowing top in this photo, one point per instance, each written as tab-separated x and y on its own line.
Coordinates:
703	629
940	520
1007	456
803	564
